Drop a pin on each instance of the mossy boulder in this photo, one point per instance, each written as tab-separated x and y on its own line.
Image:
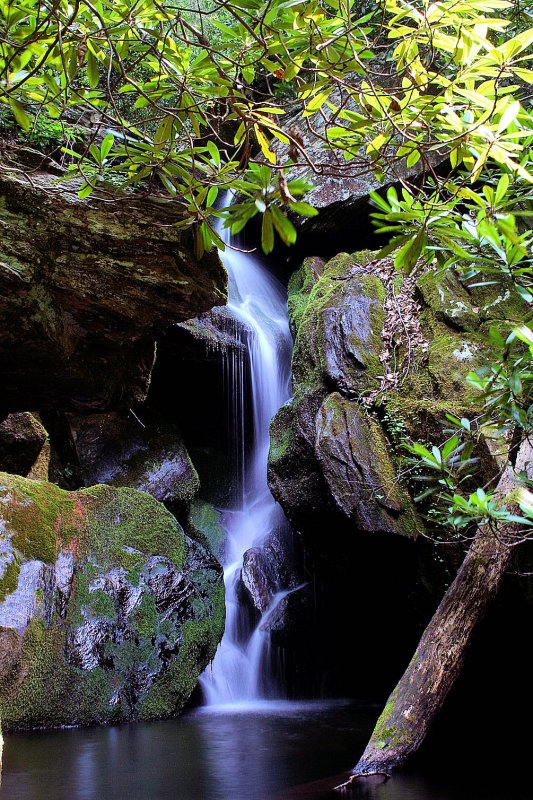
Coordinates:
338	337
108	610
358	467
326	455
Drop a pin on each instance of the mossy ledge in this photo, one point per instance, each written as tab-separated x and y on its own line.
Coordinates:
118	613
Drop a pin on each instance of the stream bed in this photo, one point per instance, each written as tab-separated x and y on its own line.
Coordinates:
260	751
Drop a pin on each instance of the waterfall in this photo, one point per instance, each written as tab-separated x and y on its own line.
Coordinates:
240	671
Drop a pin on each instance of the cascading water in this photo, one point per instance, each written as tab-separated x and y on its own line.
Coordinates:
257	301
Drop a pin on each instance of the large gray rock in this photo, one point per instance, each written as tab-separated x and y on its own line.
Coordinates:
108	611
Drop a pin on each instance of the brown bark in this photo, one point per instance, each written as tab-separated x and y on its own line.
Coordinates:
437	662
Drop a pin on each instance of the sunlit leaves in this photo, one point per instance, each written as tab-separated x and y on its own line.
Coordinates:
173	82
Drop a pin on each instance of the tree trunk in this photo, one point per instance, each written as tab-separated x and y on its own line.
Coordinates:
437	662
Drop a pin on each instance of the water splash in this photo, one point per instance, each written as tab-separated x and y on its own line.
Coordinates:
240	669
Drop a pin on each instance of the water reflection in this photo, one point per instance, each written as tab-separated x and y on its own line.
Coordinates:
279	751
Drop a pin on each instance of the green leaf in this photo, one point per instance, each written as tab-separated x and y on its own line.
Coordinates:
23	119
304	209
164	130
106	146
214	152
93	76
85	191
267	233
283	225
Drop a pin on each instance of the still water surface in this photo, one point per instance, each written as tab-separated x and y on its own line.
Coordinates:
281	751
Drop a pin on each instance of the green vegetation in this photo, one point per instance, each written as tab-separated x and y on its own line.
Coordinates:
192	99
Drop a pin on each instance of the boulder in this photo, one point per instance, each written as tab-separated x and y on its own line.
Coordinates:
121	450
24	446
338	340
87	287
108	611
329	459
357	465
270	567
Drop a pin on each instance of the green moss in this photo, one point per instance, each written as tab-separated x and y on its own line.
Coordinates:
145	618
52	690
281	441
36	513
451	358
448	300
205	525
9	580
299	288
389	734
124	518
200	638
101	605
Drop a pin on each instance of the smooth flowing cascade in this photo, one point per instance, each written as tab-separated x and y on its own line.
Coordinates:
258	302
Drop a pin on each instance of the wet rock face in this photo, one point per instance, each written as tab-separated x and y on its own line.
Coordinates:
108	611
87	288
358	468
258	578
273	566
120	450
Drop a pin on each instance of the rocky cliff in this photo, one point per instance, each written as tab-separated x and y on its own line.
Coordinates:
87	286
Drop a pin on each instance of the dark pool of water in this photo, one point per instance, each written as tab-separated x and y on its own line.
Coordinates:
279	752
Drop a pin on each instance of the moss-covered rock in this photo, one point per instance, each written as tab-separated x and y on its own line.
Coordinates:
403	346
205	525
299	288
355	459
326	455
108	611
338	340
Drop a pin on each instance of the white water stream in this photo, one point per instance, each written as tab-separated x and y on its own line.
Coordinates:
239	671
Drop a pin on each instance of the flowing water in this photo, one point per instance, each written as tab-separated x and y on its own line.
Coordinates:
240	670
